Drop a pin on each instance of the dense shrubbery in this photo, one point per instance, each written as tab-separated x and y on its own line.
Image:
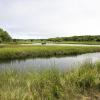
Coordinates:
4	36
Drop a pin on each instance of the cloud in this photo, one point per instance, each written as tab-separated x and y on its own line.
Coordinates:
50	18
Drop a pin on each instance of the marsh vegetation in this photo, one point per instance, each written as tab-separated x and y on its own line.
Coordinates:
19	51
51	84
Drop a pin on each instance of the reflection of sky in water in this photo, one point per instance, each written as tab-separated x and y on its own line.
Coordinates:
63	62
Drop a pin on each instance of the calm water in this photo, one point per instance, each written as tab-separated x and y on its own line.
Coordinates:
53	44
63	62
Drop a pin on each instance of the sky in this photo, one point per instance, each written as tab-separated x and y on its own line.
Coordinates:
50	18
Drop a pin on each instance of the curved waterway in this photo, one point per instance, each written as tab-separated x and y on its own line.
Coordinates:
53	44
62	62
70	45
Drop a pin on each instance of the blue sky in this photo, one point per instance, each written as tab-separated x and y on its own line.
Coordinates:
50	18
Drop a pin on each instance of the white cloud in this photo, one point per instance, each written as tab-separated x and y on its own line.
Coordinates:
50	18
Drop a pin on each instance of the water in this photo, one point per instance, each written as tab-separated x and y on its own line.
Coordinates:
62	63
53	44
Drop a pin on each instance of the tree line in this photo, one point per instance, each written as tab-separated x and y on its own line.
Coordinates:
5	37
61	39
76	38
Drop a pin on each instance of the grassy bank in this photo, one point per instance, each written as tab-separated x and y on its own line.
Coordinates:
82	83
18	51
80	42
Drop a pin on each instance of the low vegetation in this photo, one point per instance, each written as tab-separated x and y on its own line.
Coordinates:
19	51
79	42
81	83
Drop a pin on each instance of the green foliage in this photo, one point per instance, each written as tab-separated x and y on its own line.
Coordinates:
80	42
4	36
76	38
29	51
51	84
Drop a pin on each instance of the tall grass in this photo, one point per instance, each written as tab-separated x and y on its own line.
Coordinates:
51	84
18	51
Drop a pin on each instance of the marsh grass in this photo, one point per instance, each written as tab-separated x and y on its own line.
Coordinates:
20	52
79	42
51	84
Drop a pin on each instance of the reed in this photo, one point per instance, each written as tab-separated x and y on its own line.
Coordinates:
81	83
19	51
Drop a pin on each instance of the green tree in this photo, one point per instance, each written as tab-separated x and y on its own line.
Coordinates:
4	36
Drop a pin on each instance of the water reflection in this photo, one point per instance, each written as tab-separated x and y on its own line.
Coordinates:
63	62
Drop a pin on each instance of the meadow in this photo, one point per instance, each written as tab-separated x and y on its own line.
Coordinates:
29	51
79	42
81	83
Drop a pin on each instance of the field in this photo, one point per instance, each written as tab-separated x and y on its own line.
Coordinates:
80	42
82	83
19	51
